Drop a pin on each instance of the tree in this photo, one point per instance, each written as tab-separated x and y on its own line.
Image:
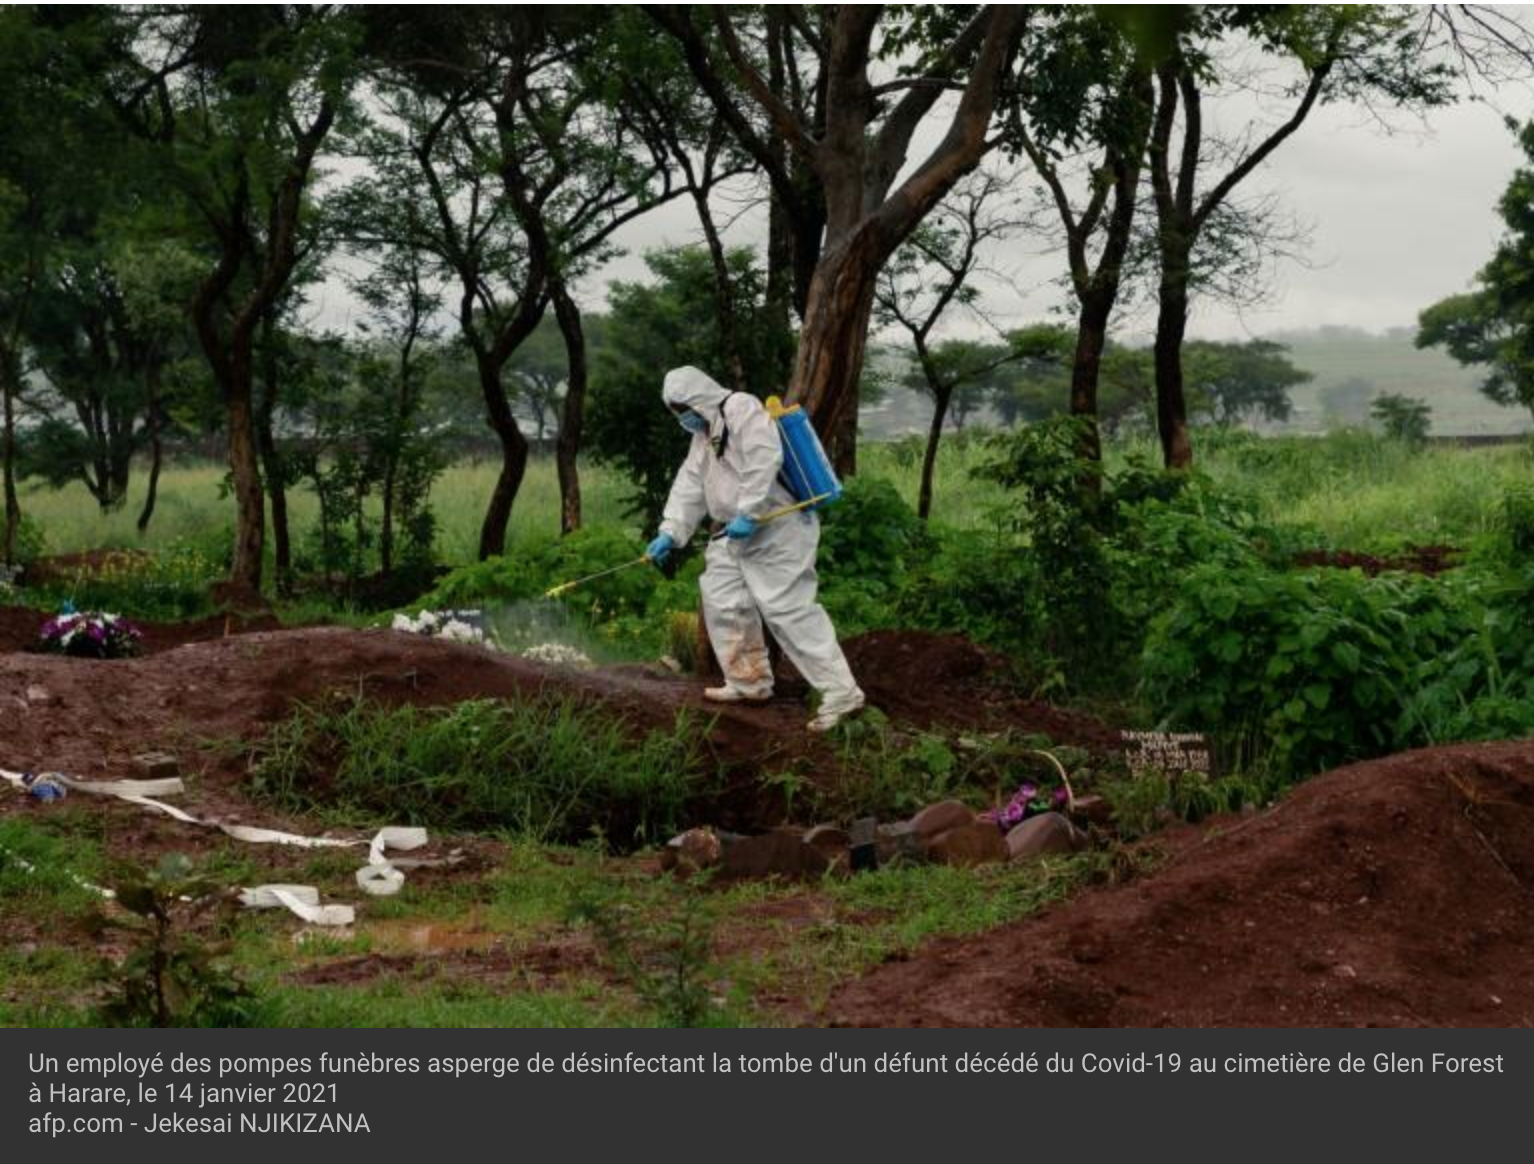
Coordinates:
840	196
1236	382
932	277
234	105
522	173
41	156
652	328
1404	418
1342	52
1107	73
1493	326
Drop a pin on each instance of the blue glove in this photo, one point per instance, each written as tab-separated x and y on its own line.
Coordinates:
660	548
742	527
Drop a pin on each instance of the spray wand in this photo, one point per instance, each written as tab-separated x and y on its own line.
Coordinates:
644	559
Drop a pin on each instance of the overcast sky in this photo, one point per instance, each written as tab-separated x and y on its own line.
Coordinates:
1396	221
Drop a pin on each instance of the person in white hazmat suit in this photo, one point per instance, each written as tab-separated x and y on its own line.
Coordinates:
760	572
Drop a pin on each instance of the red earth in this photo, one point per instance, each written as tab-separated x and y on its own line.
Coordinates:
196	686
1398	892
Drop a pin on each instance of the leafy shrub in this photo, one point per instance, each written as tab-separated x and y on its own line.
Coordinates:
172	977
977	583
1482	686
549	767
1316	667
1065	516
866	540
1404	418
532	567
30	543
660	940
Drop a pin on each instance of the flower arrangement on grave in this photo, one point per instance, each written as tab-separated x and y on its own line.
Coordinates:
90	634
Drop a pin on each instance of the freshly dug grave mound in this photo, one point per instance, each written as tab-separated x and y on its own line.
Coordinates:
19	626
90	718
937	679
1395	892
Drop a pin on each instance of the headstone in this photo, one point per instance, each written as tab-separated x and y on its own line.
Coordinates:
1170	752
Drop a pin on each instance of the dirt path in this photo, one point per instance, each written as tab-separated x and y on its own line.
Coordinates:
1397	892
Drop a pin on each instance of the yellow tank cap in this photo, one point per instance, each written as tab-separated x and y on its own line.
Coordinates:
776	410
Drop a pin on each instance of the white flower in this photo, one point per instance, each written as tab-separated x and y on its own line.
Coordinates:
460	632
557	654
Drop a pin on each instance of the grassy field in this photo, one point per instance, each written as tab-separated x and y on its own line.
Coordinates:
1351	489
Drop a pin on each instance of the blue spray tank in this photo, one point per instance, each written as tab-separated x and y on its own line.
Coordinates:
806	469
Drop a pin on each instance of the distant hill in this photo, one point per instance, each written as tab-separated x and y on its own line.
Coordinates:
1351	366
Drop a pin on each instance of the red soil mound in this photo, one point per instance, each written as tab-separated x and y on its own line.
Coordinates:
90	718
1397	892
935	679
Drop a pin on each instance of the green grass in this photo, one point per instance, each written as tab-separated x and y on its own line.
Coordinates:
190	510
1353	489
1357	491
545	767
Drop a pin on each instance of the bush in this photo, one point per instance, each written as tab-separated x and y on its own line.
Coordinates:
1482	686
866	540
979	584
548	768
532	567
1316	668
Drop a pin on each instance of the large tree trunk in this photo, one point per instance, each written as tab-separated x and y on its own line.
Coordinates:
272	464
492	533
1086	370
833	342
1171	322
568	447
156	446
244	464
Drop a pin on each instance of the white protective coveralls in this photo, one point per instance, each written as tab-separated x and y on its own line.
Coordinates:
769	576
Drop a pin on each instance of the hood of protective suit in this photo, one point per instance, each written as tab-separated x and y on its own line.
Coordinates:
690	388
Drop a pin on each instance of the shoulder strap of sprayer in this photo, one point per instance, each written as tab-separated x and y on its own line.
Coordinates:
724	436
724	443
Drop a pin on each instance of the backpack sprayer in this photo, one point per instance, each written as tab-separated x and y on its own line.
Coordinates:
807	474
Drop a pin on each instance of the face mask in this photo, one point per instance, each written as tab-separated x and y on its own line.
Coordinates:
693	423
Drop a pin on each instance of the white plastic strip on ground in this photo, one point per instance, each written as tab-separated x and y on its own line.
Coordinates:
378	877
302	900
